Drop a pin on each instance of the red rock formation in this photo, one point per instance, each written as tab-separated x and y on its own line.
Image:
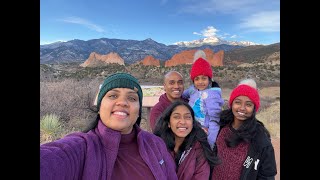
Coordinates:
186	57
96	59
150	61
215	59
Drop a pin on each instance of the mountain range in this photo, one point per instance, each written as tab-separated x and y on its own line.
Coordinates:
131	51
213	41
261	62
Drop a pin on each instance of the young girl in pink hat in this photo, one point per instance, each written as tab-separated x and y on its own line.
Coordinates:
204	96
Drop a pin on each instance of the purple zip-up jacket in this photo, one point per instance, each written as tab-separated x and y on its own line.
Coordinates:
92	155
194	166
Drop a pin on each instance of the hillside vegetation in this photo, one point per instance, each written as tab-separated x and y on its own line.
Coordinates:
227	76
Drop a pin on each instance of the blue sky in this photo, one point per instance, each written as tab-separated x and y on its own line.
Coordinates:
165	21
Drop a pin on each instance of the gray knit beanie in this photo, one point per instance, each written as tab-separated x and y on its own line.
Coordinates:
119	80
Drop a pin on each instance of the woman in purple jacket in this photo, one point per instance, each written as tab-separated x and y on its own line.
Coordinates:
114	147
186	141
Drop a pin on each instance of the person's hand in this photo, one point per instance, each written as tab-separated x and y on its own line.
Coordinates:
205	130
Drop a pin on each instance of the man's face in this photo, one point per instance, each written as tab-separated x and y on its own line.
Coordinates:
173	86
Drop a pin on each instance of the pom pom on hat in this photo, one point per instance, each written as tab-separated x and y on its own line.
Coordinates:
247	87
199	54
249	82
200	66
119	80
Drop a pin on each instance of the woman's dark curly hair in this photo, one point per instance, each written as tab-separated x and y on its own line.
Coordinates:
246	132
197	134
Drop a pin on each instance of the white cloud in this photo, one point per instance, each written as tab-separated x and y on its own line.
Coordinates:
84	22
210	31
196	33
263	21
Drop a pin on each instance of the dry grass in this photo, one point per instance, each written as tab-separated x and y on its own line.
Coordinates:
271	118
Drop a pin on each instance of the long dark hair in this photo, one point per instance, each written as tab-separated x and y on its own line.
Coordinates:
246	132
197	134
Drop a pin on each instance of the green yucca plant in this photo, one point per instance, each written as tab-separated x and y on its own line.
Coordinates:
50	128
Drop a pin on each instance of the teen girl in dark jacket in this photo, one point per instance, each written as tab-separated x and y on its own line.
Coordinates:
243	143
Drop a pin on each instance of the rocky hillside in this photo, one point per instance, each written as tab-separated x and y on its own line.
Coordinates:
252	54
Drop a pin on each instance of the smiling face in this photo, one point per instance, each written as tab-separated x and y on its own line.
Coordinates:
242	108
173	86
181	122
119	109
201	82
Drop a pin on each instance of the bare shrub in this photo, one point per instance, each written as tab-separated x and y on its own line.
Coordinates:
69	99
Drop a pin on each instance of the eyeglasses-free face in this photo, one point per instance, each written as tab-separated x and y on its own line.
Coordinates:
119	109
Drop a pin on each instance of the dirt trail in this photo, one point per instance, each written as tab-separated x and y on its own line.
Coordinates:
276	146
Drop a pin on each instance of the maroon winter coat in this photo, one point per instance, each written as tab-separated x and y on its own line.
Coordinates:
158	109
194	166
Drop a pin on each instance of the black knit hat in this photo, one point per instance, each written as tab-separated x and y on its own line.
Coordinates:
119	80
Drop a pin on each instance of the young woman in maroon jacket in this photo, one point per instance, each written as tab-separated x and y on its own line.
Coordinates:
186	141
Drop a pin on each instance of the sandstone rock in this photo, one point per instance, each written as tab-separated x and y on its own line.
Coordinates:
96	59
150	61
186	57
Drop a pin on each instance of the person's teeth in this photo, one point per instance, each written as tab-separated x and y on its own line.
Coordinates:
241	113
120	113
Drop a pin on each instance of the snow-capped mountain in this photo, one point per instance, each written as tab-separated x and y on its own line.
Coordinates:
213	41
